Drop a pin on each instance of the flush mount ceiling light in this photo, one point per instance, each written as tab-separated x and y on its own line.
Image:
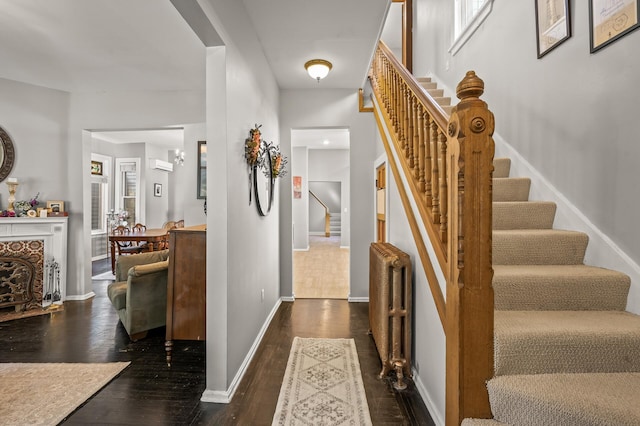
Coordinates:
318	68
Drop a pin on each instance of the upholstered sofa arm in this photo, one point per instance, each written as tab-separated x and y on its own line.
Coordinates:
149	268
126	262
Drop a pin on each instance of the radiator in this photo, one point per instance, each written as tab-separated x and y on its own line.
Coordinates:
390	309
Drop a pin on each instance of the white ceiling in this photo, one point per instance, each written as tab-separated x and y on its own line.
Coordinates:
168	138
105	45
344	32
316	138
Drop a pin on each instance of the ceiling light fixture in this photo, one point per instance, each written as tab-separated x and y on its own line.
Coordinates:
325	142
318	68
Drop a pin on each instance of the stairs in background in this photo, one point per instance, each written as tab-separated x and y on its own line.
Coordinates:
335	223
566	351
437	94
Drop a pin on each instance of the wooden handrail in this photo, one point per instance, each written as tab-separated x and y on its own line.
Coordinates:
448	164
327	215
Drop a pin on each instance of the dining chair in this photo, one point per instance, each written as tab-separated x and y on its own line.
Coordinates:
125	247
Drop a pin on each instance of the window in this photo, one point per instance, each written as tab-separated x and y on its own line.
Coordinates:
98	206
468	16
127	188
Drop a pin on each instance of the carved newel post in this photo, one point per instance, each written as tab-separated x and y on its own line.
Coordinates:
469	293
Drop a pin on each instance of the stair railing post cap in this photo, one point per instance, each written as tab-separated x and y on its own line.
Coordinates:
471	86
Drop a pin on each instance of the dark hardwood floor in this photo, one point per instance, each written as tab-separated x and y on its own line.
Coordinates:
150	393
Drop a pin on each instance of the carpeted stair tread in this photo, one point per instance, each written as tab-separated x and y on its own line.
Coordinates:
436	93
538	247
523	214
423	79
559	287
567	399
447	109
501	167
511	189
539	342
482	422
442	101
428	85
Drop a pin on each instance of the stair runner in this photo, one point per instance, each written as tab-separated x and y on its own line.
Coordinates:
566	351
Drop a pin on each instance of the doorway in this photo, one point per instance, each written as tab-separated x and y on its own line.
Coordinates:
320	210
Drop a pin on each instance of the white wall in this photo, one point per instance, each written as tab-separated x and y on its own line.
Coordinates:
300	206
333	165
187	206
36	119
570	116
242	247
332	108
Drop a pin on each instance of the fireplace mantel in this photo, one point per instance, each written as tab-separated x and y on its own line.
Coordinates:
51	230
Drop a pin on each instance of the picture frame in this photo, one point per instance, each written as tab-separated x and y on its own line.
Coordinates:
297	187
96	168
157	190
553	24
610	21
202	170
55	206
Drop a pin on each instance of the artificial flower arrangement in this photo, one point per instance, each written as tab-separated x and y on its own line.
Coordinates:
21	207
278	161
253	146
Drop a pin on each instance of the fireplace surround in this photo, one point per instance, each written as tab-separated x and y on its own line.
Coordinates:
36	246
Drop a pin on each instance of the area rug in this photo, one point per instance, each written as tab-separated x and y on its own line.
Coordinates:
44	394
322	385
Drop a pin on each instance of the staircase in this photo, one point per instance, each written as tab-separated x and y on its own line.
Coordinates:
335	223
566	351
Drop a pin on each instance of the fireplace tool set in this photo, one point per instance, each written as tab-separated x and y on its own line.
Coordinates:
52	282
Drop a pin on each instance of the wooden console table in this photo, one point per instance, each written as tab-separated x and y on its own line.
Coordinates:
186	287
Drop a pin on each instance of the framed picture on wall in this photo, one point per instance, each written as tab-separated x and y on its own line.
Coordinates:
297	187
96	168
157	190
552	24
611	20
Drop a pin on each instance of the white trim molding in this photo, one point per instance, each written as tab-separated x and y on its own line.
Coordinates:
471	27
225	397
353	299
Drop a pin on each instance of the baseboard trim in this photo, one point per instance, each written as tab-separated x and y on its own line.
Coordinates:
436	416
81	297
224	397
351	299
304	249
345	247
288	298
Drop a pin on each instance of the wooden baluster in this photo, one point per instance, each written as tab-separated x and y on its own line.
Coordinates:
442	140
416	138
421	151
409	121
428	190
435	198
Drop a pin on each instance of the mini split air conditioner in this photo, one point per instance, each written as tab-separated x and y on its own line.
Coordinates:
161	165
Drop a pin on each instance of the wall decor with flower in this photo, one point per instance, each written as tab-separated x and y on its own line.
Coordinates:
266	163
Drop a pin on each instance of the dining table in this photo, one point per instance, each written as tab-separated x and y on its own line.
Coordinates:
153	237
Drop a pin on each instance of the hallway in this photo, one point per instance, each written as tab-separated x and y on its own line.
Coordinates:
322	272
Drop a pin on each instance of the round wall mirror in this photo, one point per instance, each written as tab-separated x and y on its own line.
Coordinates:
7	154
263	183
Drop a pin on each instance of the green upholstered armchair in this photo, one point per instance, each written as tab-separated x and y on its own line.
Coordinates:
139	293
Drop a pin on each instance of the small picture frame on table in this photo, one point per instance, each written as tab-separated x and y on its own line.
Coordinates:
157	190
55	206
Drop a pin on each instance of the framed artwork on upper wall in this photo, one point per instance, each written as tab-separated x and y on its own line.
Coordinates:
202	169
553	24
96	168
611	20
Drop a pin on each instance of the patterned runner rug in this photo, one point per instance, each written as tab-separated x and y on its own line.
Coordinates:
322	385
44	394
